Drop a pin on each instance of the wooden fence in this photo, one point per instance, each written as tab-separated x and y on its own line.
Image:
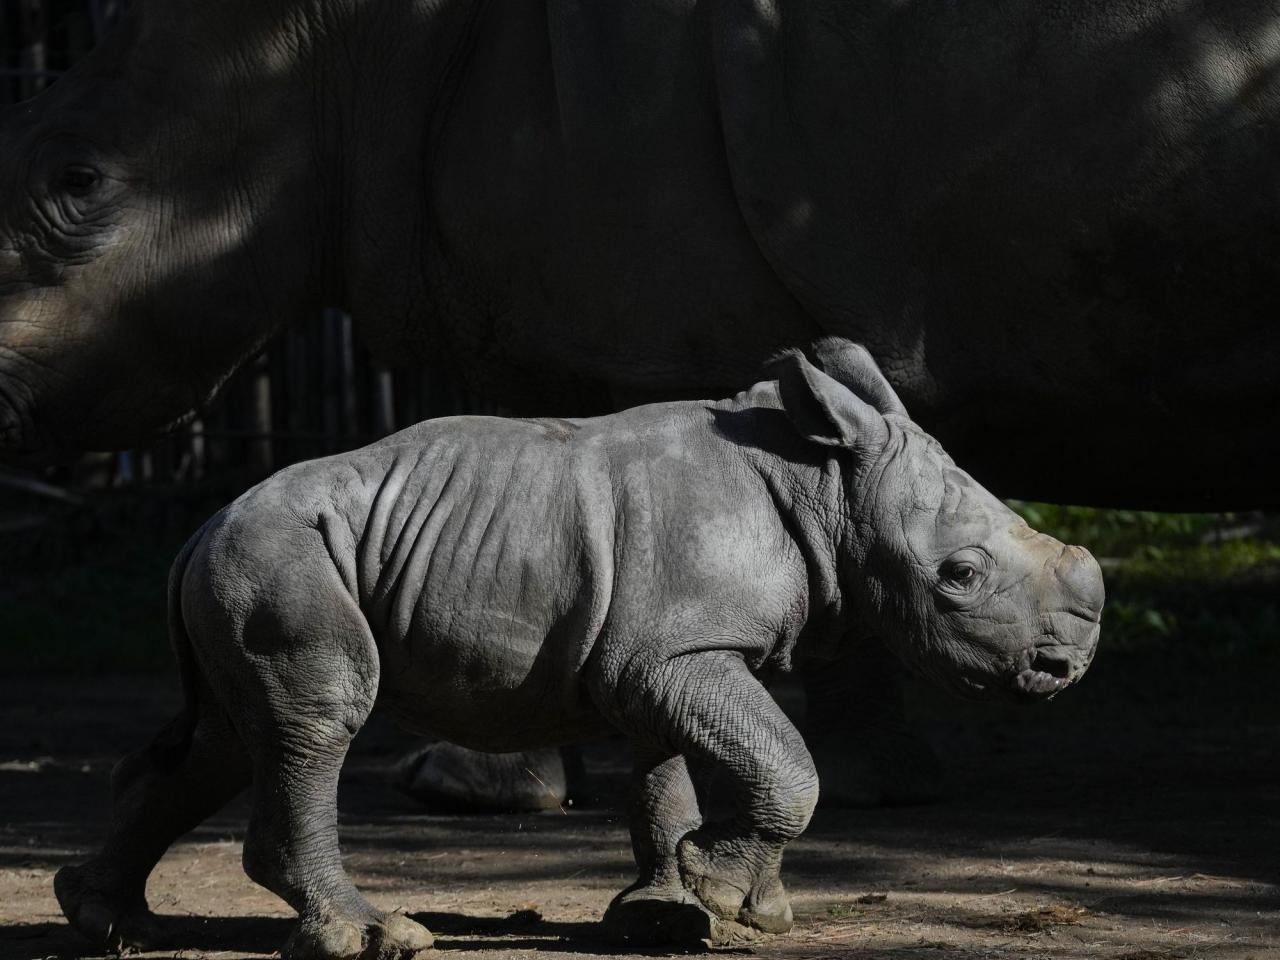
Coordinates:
314	391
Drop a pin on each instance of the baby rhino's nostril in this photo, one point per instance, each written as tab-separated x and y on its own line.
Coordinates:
1053	663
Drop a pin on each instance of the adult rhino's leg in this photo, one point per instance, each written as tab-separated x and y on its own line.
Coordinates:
710	708
159	793
445	776
867	750
664	809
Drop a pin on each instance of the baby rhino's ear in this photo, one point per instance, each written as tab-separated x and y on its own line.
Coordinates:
852	364
823	410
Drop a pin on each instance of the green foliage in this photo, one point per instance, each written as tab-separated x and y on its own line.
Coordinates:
1120	533
1208	602
1247	630
1243	561
1176	583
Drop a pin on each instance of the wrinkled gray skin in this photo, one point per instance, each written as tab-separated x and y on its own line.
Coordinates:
638	572
1046	222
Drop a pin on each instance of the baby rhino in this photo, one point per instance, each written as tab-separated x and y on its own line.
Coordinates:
507	584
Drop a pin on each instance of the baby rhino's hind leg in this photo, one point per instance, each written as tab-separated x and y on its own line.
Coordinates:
195	765
306	669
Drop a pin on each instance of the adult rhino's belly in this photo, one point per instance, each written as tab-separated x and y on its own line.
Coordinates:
488	681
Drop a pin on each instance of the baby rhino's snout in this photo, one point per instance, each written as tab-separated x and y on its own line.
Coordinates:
1081	578
1062	656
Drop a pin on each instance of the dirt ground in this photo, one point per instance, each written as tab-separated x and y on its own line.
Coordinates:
1133	819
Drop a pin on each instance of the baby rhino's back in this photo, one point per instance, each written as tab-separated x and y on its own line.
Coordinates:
483	559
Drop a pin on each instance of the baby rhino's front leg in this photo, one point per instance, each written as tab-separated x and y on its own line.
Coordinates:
710	709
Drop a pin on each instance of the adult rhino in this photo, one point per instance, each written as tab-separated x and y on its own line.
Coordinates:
1039	219
1035	217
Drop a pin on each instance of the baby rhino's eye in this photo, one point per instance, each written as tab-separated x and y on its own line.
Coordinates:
960	571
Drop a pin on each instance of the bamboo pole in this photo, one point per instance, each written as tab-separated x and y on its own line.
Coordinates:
278	384
347	370
103	14
331	364
384	406
261	458
33	57
198	461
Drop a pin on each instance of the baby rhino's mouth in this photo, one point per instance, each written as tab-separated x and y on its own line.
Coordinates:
1047	672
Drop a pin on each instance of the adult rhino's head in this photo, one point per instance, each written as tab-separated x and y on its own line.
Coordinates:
155	226
936	566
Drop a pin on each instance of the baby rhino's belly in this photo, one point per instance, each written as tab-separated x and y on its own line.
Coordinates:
489	683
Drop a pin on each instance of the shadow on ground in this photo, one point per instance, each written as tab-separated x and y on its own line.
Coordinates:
1134	818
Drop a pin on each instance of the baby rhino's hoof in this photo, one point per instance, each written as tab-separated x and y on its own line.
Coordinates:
725	885
661	917
100	911
395	937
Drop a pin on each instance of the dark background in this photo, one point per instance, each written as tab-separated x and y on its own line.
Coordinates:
1168	748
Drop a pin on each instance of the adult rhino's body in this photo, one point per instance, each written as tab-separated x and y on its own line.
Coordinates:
1036	217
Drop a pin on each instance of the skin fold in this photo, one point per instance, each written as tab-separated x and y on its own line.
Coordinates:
637	573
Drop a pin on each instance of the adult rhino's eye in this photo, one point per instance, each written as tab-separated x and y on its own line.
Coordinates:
79	180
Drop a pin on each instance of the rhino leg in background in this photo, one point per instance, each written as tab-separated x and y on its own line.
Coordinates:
714	712
664	808
157	795
867	751
445	776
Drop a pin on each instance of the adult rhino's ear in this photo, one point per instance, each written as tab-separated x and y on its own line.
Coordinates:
852	365
822	409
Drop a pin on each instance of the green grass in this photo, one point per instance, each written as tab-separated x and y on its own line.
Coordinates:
1174	587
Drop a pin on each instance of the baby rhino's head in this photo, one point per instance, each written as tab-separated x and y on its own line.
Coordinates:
964	589
947	575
